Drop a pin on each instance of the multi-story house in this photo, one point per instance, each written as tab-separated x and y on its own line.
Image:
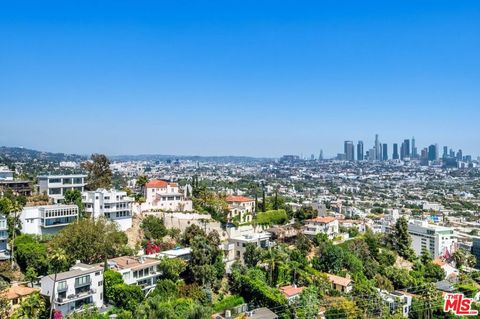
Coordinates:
75	290
326	225
111	204
240	209
438	240
395	300
55	186
236	247
165	196
49	219
23	188
4	253
142	271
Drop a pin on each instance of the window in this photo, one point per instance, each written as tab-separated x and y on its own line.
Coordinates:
55	191
97	273
84	280
62	285
100	283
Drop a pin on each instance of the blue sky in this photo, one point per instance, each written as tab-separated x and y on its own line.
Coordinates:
261	78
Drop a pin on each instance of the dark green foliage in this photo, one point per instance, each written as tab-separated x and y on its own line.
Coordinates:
400	240
272	217
31	252
228	303
99	172
153	228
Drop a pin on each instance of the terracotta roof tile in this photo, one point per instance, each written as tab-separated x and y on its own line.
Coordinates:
324	220
289	291
156	183
19	291
239	199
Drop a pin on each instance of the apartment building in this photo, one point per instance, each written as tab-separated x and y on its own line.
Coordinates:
111	204
4	253
326	225
142	271
75	290
165	196
438	240
240	209
55	186
48	219
5	174
395	300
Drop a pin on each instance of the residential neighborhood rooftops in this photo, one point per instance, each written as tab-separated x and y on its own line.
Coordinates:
324	220
129	262
157	183
239	199
76	270
341	281
290	291
17	291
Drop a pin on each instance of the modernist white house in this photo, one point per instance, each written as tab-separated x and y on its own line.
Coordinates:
165	196
55	186
75	290
438	240
142	271
236	247
111	204
4	254
326	225
49	219
240	208
397	299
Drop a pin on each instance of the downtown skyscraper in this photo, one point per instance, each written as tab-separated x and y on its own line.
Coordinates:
349	151
360	152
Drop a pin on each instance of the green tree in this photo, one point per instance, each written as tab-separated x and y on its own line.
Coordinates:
111	279
191	232
153	227
127	297
166	288
341	308
32	307
171	268
30	252
400	239
91	240
252	255
99	172
309	304
206	265
74	197
31	275
463	258
142	180
5	305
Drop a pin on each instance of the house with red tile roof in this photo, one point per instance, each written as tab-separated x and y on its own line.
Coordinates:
166	196
17	293
292	293
240	209
327	225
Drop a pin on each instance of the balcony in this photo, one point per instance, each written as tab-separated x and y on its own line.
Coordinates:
74	297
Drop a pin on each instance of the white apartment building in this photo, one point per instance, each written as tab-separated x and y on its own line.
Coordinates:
4	254
55	186
326	225
111	204
49	219
438	240
76	289
165	196
240	209
395	300
142	271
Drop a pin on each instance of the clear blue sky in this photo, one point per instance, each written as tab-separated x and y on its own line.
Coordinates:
260	78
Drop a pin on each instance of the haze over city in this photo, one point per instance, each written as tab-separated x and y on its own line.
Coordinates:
246	78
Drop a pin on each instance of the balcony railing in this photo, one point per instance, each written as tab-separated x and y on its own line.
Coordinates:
74	297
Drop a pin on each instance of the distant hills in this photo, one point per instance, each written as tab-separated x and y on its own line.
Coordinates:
20	154
10	155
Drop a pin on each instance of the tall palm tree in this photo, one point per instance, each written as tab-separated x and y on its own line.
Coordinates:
57	259
142	180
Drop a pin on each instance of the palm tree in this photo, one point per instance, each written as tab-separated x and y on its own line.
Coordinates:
142	181
57	259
